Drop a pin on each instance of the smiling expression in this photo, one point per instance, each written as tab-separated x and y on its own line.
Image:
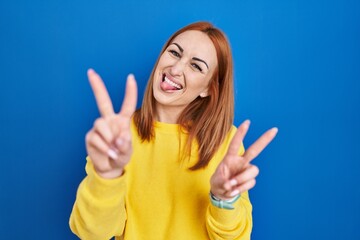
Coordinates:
184	71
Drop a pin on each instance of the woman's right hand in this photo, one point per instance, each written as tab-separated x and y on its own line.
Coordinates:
108	143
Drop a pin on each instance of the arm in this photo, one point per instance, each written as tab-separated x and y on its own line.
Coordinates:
230	224
235	175
99	210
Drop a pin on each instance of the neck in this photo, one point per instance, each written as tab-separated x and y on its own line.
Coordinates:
168	114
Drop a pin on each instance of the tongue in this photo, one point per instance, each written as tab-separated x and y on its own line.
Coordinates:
165	86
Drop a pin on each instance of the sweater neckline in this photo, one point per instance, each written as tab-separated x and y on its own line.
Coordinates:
168	127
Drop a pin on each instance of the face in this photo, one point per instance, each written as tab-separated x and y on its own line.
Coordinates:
184	70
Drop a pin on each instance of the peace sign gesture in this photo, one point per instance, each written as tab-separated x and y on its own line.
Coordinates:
235	174
108	143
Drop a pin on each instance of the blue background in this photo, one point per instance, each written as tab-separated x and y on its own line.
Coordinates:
297	67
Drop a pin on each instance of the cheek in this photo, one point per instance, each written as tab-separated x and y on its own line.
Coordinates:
161	60
198	84
160	66
164	60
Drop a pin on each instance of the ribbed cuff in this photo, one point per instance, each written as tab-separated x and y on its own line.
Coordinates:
101	187
225	216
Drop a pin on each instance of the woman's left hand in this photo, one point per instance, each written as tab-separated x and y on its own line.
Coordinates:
235	174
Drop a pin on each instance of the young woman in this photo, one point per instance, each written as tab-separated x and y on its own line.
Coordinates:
176	168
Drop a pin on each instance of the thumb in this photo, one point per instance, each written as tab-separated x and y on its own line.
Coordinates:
234	165
222	176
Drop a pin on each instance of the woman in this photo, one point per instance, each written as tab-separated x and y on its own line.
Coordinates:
176	168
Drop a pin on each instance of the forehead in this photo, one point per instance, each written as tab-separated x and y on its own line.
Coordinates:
197	44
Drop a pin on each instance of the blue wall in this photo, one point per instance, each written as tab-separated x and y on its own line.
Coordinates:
297	67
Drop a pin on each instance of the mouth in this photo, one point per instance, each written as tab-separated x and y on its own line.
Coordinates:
168	84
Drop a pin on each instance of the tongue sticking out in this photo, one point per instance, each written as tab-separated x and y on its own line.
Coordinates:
166	86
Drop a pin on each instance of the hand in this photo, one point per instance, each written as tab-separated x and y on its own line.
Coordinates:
108	143
235	174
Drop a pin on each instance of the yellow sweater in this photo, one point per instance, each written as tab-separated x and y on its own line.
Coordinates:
158	197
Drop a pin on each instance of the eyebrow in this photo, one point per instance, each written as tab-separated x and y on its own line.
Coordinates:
194	58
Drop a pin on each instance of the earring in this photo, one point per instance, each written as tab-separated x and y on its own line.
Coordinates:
203	95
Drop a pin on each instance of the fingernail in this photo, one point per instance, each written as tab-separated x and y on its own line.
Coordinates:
234	193
233	182
247	122
112	154
119	142
274	131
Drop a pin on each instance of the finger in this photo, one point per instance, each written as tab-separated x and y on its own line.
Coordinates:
258	146
123	143
94	140
101	95
104	130
243	187
238	138
249	173
129	104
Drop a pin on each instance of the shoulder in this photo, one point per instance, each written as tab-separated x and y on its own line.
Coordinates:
134	131
229	136
227	141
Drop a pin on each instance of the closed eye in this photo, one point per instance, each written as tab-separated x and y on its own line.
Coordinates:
196	66
175	53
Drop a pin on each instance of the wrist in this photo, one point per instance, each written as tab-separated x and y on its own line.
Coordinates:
221	203
111	174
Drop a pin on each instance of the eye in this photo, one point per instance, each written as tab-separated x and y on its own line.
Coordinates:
196	67
175	53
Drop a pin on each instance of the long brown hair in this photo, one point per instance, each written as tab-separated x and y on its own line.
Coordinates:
208	119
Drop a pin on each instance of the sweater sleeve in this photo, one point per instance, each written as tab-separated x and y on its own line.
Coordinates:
230	224
99	209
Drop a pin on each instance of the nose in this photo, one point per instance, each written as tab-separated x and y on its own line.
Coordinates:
177	68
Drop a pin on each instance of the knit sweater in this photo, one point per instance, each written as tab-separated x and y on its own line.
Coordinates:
158	197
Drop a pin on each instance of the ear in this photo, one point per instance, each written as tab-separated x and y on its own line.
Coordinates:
202	95
205	93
